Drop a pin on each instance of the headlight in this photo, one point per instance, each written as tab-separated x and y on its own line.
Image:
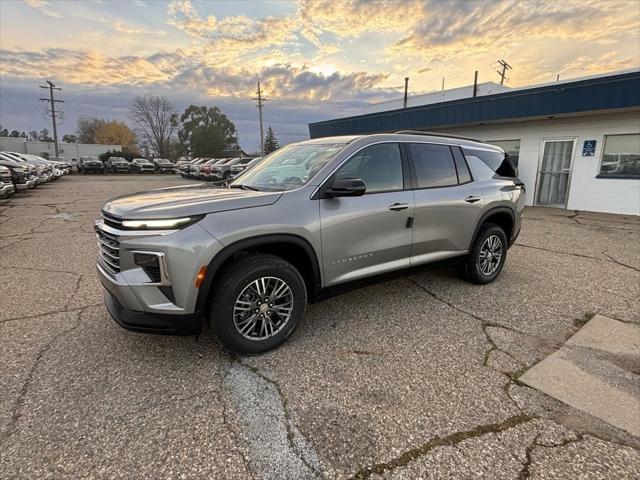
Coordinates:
160	224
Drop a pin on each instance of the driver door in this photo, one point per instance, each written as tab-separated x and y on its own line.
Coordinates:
369	234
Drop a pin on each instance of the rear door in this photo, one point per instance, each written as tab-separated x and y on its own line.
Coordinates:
448	204
371	234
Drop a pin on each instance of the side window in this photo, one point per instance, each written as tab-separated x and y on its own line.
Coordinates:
464	175
498	162
380	166
434	165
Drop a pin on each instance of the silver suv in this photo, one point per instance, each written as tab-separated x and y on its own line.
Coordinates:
309	217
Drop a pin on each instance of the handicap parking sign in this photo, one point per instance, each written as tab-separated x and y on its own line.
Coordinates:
589	148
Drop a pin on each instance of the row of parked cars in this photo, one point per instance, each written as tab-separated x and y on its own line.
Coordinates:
122	165
23	171
215	169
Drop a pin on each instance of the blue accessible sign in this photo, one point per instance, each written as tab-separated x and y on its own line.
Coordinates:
589	148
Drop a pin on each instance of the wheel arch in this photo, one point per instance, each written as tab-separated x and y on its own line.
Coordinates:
293	248
501	216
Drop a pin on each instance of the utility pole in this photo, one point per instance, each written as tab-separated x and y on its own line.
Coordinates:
51	87
505	66
475	84
443	89
260	99
406	91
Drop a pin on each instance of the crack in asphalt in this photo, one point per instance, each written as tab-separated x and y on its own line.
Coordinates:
288	422
613	260
580	255
448	441
485	324
524	472
16	411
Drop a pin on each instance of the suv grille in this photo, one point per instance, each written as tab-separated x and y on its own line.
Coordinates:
112	220
109	245
5	177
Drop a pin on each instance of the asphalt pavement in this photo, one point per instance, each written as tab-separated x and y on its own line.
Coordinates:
406	379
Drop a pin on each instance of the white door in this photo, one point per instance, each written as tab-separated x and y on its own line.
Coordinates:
554	172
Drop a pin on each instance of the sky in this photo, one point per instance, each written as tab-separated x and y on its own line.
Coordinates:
315	59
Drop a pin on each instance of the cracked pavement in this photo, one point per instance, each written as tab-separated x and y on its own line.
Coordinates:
411	378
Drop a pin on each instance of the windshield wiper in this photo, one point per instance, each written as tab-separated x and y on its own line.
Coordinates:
244	187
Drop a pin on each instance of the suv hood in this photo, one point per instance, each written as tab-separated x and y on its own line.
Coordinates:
186	201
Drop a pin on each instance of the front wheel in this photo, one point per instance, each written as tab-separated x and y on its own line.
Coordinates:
488	254
256	304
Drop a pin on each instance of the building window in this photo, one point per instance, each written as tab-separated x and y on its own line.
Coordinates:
511	148
620	156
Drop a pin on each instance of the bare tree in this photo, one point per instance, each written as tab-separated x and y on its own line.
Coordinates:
154	119
86	129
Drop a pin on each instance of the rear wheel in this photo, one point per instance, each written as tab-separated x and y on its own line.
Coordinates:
487	256
256	304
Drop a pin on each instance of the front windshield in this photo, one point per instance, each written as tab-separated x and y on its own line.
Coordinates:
289	167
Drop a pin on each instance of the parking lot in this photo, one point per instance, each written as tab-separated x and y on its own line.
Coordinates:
411	378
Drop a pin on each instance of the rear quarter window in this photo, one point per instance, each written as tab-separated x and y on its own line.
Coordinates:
497	161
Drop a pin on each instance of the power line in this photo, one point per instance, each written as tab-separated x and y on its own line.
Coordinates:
51	87
260	99
505	66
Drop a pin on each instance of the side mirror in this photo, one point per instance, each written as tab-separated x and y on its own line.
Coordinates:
346	187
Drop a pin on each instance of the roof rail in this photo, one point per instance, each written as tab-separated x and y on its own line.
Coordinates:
436	134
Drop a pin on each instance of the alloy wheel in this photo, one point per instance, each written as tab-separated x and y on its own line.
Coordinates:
263	308
490	255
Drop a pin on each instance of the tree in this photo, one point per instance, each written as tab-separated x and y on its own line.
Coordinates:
154	119
14	133
69	138
117	153
86	129
112	132
23	135
207	132
43	136
4	132
271	143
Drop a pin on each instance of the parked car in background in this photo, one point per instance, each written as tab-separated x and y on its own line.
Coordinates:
117	164
313	216
164	165
43	172
222	170
204	172
90	164
194	167
23	176
7	188
240	167
142	165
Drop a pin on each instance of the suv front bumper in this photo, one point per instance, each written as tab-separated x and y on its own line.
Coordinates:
145	322
141	302
6	189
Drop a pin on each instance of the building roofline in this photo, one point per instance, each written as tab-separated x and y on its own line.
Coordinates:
598	93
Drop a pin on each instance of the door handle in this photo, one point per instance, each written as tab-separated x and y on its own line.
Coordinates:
472	199
398	206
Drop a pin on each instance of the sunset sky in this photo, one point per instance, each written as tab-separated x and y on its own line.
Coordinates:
316	59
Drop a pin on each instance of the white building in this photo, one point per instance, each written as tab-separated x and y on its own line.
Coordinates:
68	151
576	143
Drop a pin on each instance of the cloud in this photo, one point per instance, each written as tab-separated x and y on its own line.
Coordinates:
449	28
352	18
43	7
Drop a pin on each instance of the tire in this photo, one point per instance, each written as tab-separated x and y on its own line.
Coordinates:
474	269
236	284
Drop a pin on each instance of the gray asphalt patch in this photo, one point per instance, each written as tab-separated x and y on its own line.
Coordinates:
277	449
596	371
